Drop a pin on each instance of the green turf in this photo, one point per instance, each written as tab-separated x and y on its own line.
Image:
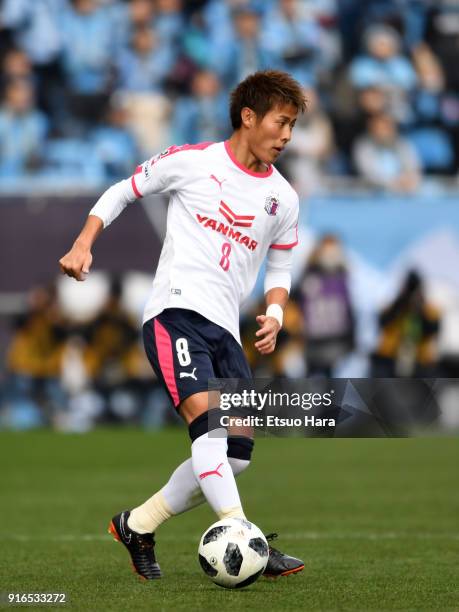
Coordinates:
377	522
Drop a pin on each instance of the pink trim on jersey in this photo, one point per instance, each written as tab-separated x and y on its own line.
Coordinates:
268	172
166	359
200	146
286	246
134	187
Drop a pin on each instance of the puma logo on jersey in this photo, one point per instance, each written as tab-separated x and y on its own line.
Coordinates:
226	230
188	374
211	472
214	178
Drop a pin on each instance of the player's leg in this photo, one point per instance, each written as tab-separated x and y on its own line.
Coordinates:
182	491
169	343
180	345
209	457
168	332
232	363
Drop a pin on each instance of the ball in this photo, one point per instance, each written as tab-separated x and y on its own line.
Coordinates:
233	553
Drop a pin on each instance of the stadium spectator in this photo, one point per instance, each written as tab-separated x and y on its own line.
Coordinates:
148	119
34	31
209	31
325	302
372	101
127	16
196	53
144	65
23	130
217	16
326	14
203	115
169	20
383	66
142	69
76	52
442	35
386	160
88	48
290	34
349	110
428	135
311	148
409	18
16	65
243	52
431	84
367	103
409	330
34	27
34	390
141	12
113	143
114	359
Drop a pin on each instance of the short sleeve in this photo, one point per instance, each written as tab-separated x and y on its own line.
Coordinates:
168	171
286	236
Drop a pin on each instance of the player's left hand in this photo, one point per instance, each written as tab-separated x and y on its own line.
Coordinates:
269	328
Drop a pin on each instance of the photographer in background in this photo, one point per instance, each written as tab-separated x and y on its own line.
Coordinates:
324	299
409	329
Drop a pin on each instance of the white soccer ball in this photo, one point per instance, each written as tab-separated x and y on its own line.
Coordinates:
233	553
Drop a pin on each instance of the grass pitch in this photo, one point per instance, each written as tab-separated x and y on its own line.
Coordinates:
376	521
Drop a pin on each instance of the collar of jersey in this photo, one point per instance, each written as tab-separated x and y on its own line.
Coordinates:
268	172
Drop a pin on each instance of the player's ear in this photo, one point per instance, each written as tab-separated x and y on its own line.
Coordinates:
248	117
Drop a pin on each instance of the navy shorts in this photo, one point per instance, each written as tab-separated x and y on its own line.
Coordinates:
185	349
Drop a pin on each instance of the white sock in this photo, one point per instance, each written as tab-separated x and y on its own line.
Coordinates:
214	474
147	517
181	493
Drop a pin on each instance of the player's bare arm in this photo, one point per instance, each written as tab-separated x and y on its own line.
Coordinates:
271	322
77	262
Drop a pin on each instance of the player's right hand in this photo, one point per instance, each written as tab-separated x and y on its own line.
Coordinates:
77	262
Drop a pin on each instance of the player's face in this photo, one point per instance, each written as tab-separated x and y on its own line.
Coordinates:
272	133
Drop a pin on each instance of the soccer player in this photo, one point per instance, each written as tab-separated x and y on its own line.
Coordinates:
229	209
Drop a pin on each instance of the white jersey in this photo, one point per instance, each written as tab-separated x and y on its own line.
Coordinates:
222	219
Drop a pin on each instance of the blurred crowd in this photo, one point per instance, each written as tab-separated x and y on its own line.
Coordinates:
72	371
320	329
90	87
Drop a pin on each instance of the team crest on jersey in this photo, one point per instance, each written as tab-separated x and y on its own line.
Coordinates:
272	204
